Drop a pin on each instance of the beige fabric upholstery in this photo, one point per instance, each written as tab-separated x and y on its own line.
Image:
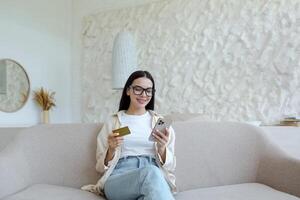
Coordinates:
216	154
52	192
53	161
279	170
287	138
176	117
7	135
52	154
246	191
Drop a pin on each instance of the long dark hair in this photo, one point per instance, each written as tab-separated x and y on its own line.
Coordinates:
125	99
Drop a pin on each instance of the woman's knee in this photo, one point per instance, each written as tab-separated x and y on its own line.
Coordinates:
152	172
153	185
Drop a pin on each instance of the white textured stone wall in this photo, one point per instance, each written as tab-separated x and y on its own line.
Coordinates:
225	59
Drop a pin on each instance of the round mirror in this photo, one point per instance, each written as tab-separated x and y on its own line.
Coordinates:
14	86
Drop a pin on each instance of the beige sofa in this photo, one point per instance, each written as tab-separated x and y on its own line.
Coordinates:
215	161
7	134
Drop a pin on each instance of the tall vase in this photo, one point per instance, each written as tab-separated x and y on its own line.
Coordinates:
45	117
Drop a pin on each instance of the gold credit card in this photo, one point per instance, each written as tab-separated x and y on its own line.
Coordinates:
122	131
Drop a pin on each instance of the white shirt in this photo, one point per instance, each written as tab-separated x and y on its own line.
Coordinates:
137	142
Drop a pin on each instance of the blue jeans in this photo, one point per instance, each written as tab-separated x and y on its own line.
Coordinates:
137	178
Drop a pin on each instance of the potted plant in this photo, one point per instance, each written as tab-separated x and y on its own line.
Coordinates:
45	99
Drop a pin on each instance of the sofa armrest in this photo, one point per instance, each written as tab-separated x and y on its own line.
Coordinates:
279	170
14	172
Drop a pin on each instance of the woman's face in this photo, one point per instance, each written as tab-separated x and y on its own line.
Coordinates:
140	92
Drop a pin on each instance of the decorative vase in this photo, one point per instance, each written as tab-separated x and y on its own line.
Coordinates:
45	117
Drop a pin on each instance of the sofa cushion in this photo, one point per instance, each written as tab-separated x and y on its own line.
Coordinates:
246	191
56	154
175	117
218	154
52	192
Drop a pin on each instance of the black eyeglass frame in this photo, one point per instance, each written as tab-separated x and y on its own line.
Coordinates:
148	94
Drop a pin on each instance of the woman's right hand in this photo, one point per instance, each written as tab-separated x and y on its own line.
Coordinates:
114	141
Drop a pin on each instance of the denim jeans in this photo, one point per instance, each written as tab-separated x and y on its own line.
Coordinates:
137	178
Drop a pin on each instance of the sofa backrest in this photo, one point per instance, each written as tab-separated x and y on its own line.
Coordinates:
62	154
216	153
7	134
208	153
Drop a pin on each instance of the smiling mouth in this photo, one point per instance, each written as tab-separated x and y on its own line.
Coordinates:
141	101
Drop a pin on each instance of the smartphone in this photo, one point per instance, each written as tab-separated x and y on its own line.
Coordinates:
160	125
122	131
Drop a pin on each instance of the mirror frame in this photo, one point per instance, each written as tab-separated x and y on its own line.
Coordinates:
28	91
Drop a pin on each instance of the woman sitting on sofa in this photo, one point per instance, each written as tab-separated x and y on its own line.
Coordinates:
132	166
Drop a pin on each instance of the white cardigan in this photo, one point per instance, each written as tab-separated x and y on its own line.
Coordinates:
167	168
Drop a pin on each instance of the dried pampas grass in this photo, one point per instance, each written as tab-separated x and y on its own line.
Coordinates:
45	99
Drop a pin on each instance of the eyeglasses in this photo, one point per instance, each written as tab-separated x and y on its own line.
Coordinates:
138	90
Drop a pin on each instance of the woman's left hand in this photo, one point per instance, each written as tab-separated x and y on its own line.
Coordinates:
162	139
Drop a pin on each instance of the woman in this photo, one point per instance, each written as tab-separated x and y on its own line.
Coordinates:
132	166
